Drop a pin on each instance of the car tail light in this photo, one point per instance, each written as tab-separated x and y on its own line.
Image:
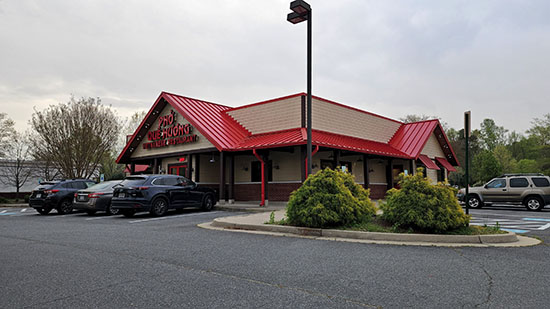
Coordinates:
75	195
143	188
95	195
51	191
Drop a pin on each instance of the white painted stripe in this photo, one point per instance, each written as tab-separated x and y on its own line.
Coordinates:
3	211
97	218
544	227
24	209
171	217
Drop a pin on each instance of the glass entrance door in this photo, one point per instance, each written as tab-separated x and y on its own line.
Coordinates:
180	169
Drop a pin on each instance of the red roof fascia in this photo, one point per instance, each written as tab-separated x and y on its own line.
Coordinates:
428	162
267	101
139	128
449	144
445	164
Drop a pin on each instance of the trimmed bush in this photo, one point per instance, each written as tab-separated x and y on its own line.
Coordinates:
329	198
3	200
423	206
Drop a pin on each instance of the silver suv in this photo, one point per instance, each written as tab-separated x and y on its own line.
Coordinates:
531	190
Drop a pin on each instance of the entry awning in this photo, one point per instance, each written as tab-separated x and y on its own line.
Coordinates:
445	164
428	162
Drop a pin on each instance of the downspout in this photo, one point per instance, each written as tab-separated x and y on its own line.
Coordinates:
312	154
262	203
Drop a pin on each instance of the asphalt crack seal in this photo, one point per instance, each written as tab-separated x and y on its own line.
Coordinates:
489	277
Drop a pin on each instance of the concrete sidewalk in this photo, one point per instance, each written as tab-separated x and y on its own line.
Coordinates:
255	223
251	206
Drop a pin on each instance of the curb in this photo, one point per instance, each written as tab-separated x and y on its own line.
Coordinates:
15	205
246	209
509	238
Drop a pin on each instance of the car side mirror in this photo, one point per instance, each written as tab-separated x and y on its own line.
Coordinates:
485	186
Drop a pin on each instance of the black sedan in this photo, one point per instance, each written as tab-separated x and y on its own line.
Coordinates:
158	193
96	198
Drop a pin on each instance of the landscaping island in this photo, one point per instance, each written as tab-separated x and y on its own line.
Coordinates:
330	205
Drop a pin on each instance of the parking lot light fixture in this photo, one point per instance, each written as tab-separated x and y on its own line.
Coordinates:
301	11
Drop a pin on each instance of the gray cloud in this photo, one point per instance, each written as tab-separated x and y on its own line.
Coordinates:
392	58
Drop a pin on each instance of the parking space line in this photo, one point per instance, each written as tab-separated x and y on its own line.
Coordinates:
544	227
97	218
515	231
536	219
3	211
170	217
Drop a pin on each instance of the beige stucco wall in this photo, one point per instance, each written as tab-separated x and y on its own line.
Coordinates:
432	148
209	171
273	116
338	119
202	142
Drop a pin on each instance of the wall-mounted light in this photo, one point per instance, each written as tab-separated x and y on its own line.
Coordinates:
371	170
276	166
212	160
245	168
360	160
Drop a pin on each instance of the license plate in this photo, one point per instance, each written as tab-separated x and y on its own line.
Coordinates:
81	197
38	195
121	194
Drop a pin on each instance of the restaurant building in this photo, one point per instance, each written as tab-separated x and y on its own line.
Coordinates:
226	147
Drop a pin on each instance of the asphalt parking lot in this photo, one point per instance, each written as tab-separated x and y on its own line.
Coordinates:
99	261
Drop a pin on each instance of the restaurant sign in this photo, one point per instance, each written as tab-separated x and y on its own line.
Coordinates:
169	132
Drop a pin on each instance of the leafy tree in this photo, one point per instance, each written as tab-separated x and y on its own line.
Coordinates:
505	159
527	166
75	136
110	169
485	167
16	170
130	125
7	132
492	135
541	129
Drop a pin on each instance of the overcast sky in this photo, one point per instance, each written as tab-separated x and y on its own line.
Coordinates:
388	57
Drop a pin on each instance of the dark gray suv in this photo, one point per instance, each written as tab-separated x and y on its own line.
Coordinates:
531	190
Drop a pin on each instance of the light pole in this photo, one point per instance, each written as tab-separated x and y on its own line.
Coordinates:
302	11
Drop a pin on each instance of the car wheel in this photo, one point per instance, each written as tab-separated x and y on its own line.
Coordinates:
208	203
534	203
160	207
111	211
66	207
43	211
91	212
128	213
474	202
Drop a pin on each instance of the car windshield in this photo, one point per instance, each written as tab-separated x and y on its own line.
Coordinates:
104	185
133	181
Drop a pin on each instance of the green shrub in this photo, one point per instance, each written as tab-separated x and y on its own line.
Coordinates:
423	206
3	200
329	198
26	198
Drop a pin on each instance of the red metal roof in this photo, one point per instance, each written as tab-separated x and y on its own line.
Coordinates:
445	164
225	133
410	138
210	119
298	136
428	162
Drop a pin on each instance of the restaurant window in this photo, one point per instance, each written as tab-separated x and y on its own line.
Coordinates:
441	174
256	171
